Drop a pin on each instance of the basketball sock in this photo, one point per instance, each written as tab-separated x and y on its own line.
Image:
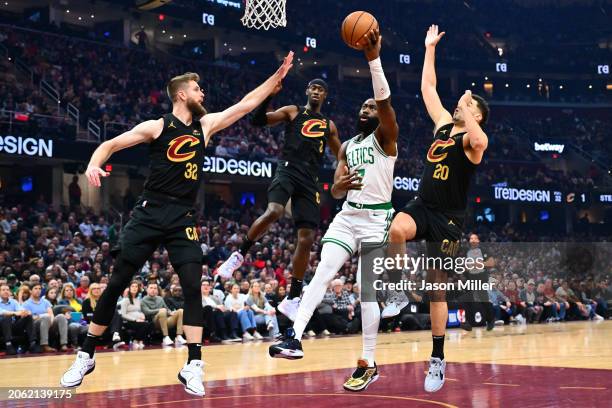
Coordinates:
370	318
296	288
438	347
333	257
195	351
90	343
246	245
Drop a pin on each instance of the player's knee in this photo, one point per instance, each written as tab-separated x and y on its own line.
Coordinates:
273	212
397	233
306	240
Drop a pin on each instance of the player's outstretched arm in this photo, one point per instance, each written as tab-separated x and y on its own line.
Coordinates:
438	114
214	122
387	130
263	117
475	140
141	133
334	142
343	179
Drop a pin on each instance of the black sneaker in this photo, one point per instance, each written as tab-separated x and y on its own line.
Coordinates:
466	326
290	348
362	377
490	325
10	350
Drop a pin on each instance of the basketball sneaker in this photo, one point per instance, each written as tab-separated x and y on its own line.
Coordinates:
227	268
435	376
290	348
191	375
395	303
362	377
289	307
82	366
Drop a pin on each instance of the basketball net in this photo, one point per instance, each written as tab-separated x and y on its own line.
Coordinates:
264	14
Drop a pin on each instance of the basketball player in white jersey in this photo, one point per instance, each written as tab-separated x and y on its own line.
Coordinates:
365	176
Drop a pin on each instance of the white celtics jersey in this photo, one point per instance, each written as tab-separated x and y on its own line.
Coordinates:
375	167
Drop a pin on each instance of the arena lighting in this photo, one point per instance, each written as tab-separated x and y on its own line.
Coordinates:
92	16
590	86
560	86
507	85
478	199
80	18
609	87
108	168
161	17
172	38
163	31
184	35
305	48
67	11
325	186
555	156
528	86
315	62
486	78
473	83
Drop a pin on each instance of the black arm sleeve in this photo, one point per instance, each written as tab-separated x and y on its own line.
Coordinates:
259	117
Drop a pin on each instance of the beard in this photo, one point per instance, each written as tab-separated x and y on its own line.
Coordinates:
368	126
196	109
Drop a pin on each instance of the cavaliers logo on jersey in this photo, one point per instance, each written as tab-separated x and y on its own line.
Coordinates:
436	152
177	144
314	128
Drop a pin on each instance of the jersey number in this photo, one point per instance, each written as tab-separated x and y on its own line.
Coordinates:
321	146
441	172
191	171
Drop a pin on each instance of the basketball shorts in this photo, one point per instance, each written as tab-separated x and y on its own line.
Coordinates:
156	221
304	193
441	230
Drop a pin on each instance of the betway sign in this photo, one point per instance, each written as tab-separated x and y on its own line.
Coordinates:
28	146
548	147
221	165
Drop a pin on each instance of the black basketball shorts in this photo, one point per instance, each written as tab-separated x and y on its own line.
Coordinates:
303	191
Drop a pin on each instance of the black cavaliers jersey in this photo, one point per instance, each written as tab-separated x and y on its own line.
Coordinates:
448	172
176	158
305	140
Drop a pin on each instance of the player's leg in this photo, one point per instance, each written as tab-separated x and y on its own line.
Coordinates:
306	215
408	224
278	194
443	241
338	246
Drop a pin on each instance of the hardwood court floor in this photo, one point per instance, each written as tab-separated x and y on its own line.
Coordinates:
510	366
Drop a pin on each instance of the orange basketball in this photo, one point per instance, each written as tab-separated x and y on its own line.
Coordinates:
355	26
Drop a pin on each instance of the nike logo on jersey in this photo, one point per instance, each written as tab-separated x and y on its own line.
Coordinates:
314	128
435	153
174	153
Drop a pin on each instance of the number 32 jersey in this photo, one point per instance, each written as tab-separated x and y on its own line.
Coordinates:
176	159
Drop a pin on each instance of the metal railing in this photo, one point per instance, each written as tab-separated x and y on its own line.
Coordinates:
24	69
73	113
93	131
51	92
112	129
21	123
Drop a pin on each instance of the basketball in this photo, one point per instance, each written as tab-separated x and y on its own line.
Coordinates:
355	26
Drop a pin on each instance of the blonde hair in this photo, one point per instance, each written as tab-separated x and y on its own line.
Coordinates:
93	302
259	299
178	81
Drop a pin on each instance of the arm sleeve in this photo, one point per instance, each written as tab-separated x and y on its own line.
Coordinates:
259	117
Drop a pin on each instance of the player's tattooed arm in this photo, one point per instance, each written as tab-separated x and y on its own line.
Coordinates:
334	139
475	141
214	122
144	132
438	114
344	180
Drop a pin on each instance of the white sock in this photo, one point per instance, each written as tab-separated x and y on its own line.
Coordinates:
333	257
370	318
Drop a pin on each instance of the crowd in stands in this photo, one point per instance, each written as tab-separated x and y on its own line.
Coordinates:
55	264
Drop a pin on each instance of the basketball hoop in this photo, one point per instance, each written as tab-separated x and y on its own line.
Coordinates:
264	14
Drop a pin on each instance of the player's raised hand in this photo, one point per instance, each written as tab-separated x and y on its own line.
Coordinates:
93	174
348	181
373	42
466	98
286	66
433	37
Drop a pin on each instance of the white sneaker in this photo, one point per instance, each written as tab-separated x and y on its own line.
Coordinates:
247	337
435	376
82	366
326	332
167	341
257	335
227	268
289	307
311	333
395	303
179	340
598	317
116	337
138	345
192	376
